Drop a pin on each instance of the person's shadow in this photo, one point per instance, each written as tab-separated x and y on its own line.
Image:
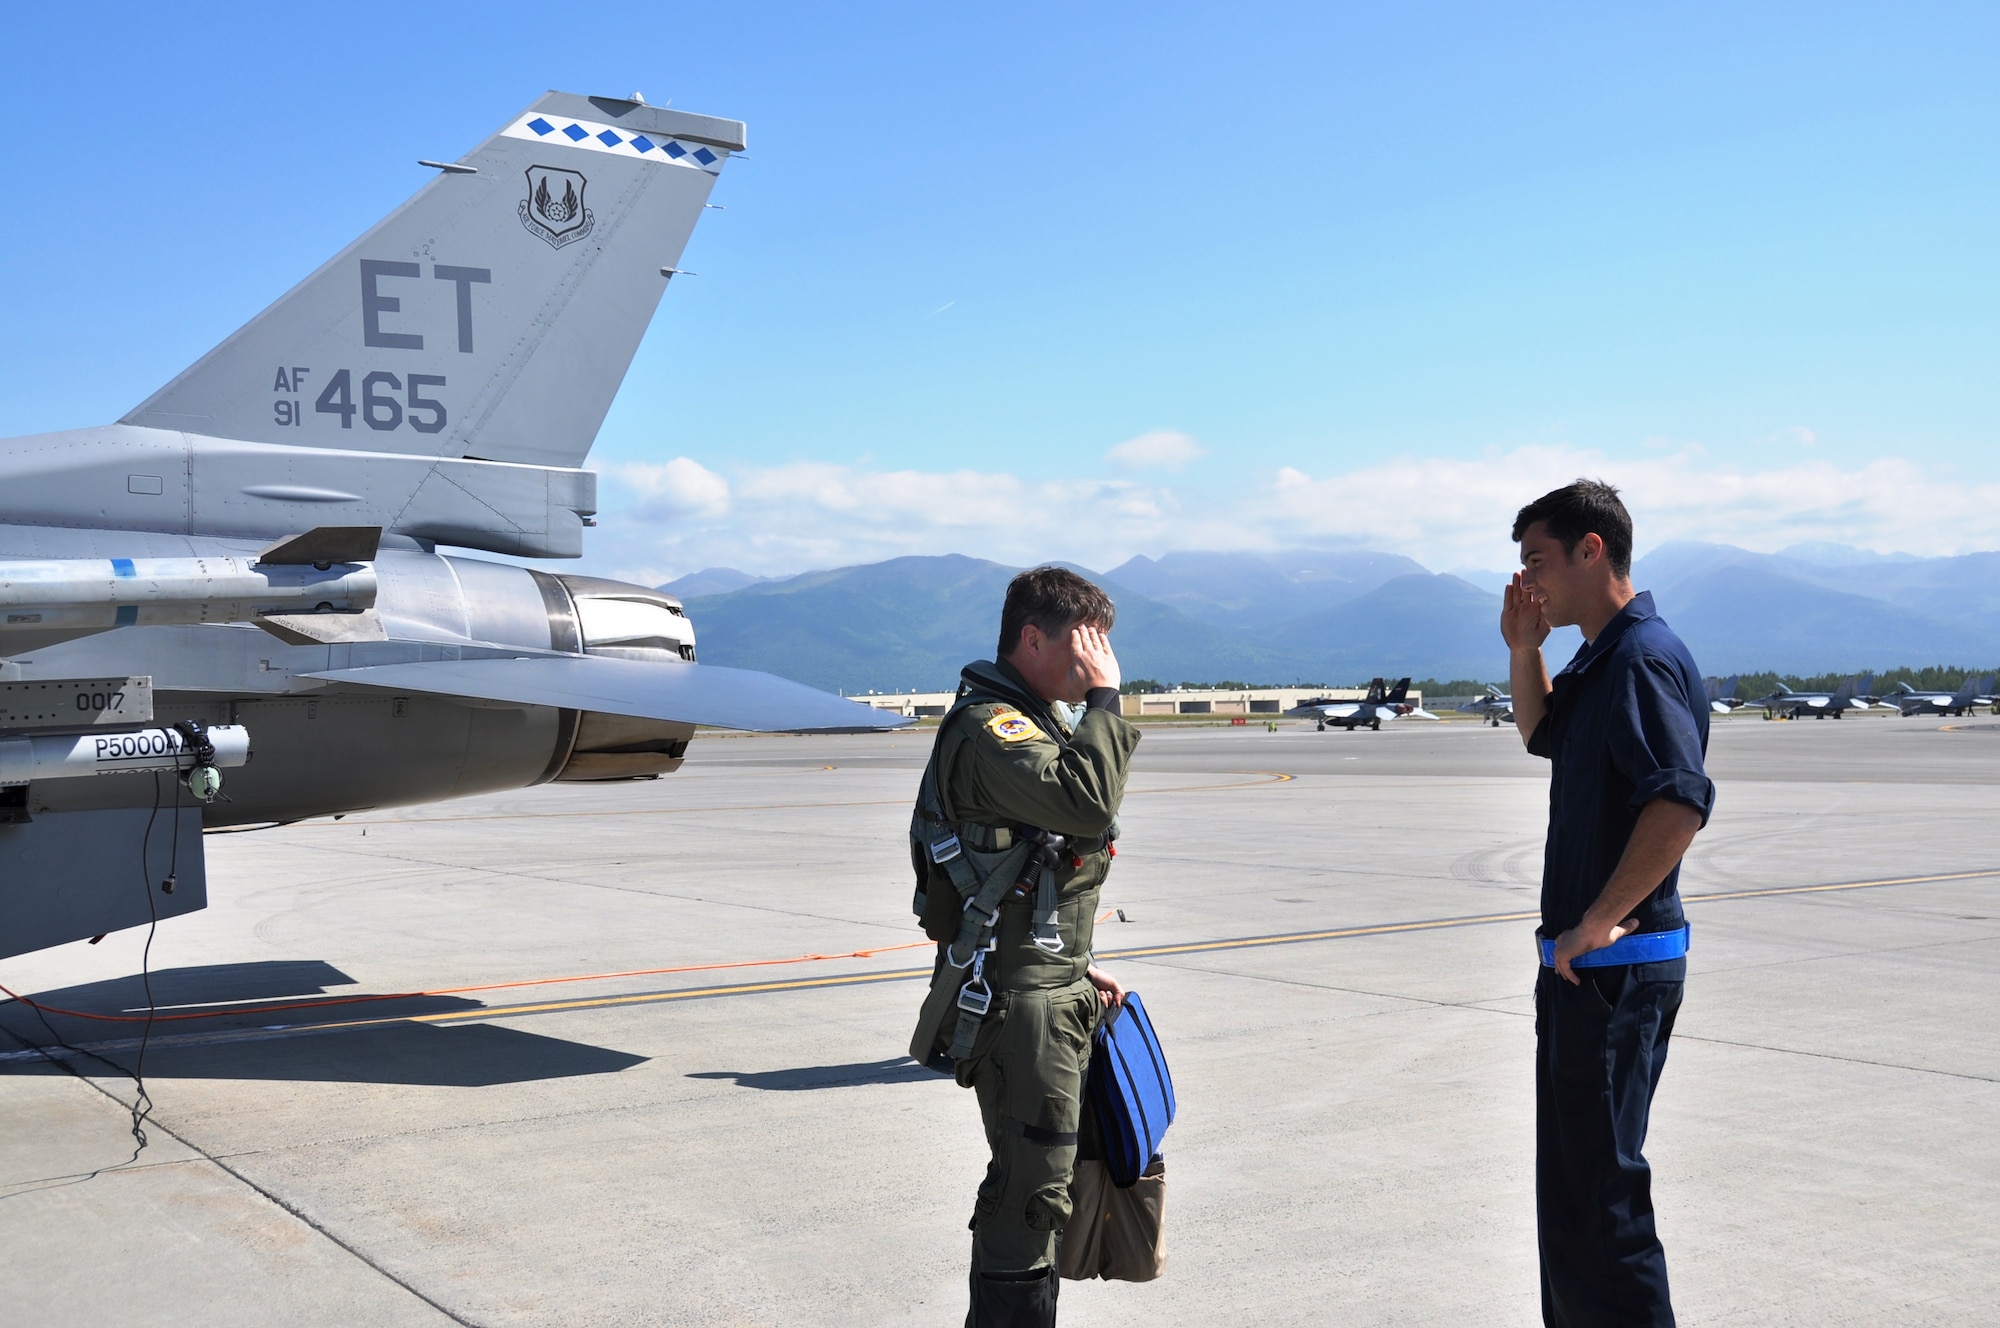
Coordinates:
901	1070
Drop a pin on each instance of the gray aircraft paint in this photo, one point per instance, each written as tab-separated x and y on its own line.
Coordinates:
1793	704
525	358
440	380
125	477
1962	702
1496	707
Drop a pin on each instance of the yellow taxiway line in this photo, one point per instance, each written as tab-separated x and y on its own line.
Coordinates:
910	974
1143	952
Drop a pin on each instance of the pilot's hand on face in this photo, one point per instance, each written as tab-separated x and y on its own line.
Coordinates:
1095	665
1523	624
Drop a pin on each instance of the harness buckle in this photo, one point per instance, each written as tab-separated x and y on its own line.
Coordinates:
991	946
976	997
944	850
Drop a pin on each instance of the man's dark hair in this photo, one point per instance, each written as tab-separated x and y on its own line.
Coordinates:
1054	599
1587	507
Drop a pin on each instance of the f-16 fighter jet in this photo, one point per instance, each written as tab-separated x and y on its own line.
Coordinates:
1381	703
243	574
1962	702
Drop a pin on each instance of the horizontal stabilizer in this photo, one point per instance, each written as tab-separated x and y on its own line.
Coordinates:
674	693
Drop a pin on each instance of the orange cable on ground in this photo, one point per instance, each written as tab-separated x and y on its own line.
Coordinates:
459	991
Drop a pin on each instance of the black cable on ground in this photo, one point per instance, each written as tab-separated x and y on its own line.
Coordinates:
142	1101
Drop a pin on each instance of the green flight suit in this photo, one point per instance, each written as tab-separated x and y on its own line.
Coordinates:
1002	765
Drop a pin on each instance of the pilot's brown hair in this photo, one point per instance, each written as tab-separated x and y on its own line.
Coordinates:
1054	599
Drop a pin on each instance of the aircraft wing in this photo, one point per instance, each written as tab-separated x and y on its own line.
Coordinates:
674	693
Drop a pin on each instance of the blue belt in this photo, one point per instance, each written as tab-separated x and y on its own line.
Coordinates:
1641	947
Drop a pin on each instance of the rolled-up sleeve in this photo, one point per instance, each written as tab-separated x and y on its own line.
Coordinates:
1538	741
1654	739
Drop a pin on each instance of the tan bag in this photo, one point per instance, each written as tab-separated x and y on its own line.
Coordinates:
1118	1235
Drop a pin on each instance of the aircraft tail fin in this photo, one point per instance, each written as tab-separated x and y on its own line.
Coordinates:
493	315
1400	692
1971	687
1376	691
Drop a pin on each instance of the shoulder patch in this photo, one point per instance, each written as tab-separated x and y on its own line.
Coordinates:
1013	726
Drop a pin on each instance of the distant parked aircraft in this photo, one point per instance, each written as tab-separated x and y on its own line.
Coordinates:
1722	697
1382	702
1961	702
1496	707
1819	705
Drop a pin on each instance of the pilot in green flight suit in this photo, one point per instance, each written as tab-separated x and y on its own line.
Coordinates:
1027	793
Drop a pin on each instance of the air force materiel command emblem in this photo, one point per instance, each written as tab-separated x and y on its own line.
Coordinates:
554	206
1012	726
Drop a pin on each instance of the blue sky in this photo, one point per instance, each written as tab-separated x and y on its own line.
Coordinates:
1349	275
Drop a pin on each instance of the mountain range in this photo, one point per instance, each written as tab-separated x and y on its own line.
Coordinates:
1339	617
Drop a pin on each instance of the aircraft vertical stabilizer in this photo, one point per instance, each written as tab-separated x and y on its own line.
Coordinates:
493	315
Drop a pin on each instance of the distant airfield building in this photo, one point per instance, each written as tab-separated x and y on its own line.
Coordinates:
1245	702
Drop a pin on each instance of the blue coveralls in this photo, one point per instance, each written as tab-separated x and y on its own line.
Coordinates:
1627	723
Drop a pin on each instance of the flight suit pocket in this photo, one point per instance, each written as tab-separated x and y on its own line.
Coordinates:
986	1046
1072	1021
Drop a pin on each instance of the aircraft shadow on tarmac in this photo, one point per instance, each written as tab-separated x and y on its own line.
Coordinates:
901	1070
383	1050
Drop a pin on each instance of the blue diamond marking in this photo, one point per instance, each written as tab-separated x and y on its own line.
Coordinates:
675	150
609	139
577	133
541	126
641	142
704	156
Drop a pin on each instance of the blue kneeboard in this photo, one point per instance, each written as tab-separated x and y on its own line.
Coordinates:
1131	1091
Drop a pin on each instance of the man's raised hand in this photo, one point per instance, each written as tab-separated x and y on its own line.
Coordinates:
1522	623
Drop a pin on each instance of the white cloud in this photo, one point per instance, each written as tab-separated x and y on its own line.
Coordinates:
1458	512
663	521
681	487
1163	449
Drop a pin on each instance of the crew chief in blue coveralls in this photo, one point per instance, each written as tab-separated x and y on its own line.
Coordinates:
1624	727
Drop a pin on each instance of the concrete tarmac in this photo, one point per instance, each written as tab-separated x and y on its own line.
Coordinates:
633	1054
